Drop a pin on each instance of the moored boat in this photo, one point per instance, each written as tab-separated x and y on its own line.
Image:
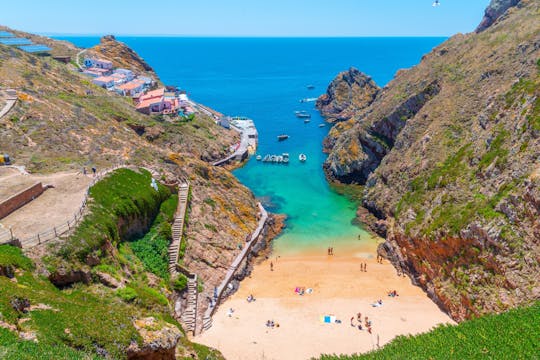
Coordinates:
310	87
282	137
302	157
285	158
322	125
306	121
258	157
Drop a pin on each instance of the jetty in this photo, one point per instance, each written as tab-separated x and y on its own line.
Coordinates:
248	138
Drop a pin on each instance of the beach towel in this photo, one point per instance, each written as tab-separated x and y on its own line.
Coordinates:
328	319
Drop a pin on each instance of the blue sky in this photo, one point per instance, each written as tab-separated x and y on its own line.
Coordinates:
244	17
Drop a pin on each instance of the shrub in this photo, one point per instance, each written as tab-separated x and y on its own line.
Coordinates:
127	294
180	283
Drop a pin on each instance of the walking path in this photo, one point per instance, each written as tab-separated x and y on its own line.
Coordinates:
78	58
11	100
240	150
207	319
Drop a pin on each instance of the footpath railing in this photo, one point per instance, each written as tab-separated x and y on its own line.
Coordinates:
61	229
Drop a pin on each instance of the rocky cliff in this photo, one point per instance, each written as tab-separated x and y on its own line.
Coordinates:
121	55
448	153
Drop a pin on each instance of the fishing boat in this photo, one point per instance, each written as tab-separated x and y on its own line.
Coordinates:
308	100
322	125
302	114
306	121
310	87
282	137
259	157
302	157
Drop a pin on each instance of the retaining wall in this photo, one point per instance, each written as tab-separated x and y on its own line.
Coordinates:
20	199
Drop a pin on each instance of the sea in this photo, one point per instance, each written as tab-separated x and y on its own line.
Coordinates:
265	79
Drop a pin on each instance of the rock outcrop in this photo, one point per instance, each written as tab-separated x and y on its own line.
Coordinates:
494	11
158	340
349	92
448	153
121	55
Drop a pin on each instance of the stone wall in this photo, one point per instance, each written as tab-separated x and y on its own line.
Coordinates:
18	200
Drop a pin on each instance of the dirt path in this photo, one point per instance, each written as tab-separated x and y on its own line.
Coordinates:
54	207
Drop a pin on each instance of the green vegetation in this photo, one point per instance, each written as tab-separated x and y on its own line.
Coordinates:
13	256
180	283
511	335
71	319
12	348
153	246
124	194
496	151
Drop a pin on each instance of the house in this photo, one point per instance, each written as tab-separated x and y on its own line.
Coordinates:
98	63
148	82
131	88
119	79
153	105
96	72
104	81
103	64
155	101
129	75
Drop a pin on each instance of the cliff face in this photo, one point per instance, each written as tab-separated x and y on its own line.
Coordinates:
349	92
448	153
495	9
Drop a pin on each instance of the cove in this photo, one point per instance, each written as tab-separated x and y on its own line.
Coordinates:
264	79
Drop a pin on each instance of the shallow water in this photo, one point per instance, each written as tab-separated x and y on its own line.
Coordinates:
264	79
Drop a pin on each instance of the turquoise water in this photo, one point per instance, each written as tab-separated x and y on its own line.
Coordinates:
264	79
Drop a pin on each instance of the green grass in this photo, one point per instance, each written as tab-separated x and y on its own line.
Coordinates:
153	246
78	310
117	200
13	256
12	348
511	335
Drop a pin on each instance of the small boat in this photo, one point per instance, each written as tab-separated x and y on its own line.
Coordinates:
282	137
308	100
273	158
302	157
266	158
285	158
259	157
322	125
306	121
310	87
302	114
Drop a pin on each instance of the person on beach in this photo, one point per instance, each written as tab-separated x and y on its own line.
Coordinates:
271	266
365	267
94	170
359	318
366	321
331	251
369	329
352	321
84	170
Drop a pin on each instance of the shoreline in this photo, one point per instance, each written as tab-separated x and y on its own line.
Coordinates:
339	289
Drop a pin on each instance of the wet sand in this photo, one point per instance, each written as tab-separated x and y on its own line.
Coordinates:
339	289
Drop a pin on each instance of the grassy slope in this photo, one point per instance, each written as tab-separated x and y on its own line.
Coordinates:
124	194
511	335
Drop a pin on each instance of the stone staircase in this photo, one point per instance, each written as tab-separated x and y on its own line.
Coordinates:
207	322
178	228
189	316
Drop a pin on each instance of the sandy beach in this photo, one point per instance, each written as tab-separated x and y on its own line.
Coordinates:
339	288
